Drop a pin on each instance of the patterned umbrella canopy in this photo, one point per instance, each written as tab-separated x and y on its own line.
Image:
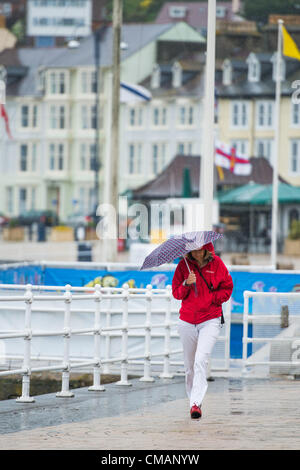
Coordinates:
178	246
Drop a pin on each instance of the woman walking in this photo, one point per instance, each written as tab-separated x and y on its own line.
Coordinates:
202	286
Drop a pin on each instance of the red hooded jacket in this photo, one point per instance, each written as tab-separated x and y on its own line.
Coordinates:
207	304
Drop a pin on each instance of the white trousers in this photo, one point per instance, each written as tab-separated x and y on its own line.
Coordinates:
198	342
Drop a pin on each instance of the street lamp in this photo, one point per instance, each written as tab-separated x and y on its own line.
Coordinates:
96	160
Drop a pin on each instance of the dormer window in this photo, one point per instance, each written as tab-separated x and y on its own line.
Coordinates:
176	75
227	72
253	68
177	11
282	67
155	77
221	12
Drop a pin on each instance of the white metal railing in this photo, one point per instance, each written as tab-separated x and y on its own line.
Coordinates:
276	345
100	331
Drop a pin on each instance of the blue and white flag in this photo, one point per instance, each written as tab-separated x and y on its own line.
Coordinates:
130	93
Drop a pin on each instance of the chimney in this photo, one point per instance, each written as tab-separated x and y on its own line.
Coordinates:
236	6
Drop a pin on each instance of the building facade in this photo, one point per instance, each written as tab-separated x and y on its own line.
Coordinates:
51	106
246	111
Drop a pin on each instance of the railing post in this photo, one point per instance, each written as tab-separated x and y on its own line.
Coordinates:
166	372
65	392
147	361
97	387
245	330
227	325
124	363
106	368
26	398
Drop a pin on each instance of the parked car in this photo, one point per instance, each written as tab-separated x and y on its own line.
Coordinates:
35	216
78	219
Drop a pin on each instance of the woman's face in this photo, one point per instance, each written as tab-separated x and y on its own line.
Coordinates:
198	254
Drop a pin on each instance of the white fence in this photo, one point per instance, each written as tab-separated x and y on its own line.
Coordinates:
128	328
274	319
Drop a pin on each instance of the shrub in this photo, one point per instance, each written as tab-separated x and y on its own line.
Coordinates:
295	230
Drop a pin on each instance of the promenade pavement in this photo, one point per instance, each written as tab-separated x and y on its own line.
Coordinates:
238	413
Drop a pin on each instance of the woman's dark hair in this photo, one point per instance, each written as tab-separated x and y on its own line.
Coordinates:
208	256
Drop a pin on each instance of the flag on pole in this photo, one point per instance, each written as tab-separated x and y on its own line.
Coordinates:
130	93
290	48
226	157
3	114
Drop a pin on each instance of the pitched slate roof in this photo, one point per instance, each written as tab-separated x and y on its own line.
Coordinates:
135	36
169	182
242	88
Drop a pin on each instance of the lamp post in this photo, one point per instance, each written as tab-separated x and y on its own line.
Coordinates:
96	160
207	160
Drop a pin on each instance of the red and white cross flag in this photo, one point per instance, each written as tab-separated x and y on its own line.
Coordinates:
226	157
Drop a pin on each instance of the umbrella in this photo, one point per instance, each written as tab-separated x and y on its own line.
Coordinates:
178	246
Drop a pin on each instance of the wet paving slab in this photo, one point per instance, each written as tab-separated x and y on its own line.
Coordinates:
238	413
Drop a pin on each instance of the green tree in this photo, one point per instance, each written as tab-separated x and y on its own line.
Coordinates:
259	10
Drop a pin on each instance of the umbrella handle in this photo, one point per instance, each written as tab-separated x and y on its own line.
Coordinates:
194	284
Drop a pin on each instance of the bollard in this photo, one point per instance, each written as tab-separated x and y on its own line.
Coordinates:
97	387
65	392
147	361
26	398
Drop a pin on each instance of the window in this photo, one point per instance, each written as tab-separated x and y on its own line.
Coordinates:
57	157
158	157
185	148
24	157
239	114
264	148
264	114
135	117
22	200
29	116
58	83
241	147
177	11
89	117
88	82
159	116
57	117
135	159
87	156
295	157
221	12
254	68
9	199
295	114
186	115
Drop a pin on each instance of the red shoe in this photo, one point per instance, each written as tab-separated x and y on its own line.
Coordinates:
196	412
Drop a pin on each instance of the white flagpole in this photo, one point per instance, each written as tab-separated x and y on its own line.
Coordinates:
207	160
276	152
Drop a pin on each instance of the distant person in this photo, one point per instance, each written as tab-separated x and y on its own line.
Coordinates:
201	315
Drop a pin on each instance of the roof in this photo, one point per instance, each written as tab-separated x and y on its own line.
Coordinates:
135	36
193	78
259	194
241	87
196	13
169	183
